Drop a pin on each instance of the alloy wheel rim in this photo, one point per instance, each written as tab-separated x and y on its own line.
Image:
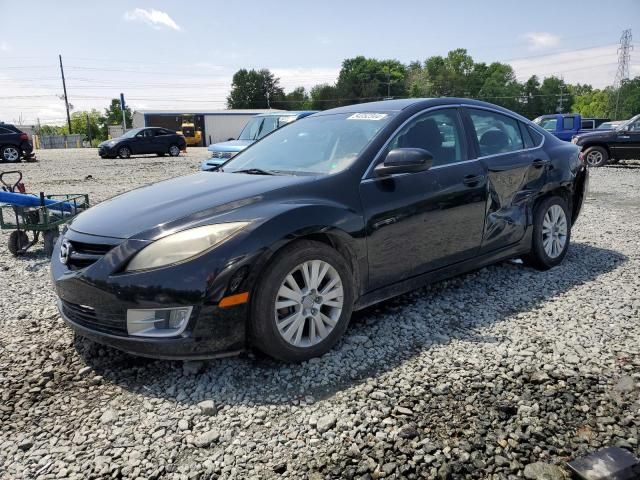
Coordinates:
554	231
11	154
309	303
174	151
594	158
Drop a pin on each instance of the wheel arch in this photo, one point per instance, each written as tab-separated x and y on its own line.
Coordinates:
597	144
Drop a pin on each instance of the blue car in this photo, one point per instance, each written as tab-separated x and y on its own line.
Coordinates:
259	126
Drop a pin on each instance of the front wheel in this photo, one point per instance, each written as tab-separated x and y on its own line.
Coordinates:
303	302
18	240
10	154
124	152
596	156
551	233
174	150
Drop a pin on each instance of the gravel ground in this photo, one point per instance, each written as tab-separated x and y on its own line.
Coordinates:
502	373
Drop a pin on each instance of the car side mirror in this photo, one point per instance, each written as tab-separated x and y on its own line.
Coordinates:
404	160
230	138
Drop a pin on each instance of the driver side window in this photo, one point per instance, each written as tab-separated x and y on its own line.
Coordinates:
439	132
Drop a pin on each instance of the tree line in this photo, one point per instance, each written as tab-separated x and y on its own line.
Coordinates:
364	79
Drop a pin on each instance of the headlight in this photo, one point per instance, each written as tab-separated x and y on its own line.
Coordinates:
183	245
112	143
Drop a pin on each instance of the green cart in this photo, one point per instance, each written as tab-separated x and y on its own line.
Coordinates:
43	214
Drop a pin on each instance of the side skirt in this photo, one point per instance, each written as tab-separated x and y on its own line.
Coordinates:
443	273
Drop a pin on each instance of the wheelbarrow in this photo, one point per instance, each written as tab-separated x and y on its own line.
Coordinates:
39	214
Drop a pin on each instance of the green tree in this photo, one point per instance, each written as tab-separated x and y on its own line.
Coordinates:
629	99
323	97
552	90
93	129
501	87
532	107
593	103
113	116
297	99
255	89
364	79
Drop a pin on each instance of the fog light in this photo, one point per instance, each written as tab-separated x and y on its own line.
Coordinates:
161	322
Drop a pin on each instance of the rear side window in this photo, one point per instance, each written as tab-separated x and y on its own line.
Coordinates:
536	137
496	133
526	136
588	124
567	123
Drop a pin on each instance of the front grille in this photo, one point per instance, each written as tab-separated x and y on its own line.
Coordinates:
84	254
88	317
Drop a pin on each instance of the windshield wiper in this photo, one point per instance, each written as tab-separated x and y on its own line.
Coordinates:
256	171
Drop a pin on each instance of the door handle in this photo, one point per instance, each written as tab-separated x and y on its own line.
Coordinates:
472	180
538	163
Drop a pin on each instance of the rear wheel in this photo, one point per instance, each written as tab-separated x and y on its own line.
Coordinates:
303	302
10	153
124	152
174	150
551	233
17	241
596	156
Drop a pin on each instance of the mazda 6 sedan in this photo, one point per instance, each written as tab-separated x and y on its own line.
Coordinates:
327	215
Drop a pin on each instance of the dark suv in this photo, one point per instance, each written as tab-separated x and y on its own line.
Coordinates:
143	140
609	146
14	144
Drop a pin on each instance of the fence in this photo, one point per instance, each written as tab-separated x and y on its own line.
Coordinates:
59	141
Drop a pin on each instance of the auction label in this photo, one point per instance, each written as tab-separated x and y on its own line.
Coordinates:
367	116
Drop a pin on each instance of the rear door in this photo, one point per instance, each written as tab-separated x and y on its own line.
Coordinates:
418	222
516	169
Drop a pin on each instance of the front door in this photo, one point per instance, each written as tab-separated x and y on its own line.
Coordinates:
627	144
418	222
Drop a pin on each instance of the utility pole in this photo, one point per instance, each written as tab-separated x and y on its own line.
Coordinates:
561	99
124	117
66	99
624	59
88	129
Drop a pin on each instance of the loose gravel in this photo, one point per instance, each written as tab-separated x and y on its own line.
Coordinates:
505	372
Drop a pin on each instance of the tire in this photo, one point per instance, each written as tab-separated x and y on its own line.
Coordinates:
10	153
174	150
50	237
316	335
596	156
549	216
124	152
17	241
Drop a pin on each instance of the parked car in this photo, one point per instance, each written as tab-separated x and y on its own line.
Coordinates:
141	141
14	144
259	126
610	125
609	146
566	125
344	209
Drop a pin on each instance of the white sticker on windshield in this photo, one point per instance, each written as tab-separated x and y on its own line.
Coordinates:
367	116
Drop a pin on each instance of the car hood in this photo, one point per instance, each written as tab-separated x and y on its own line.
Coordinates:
230	146
603	134
157	205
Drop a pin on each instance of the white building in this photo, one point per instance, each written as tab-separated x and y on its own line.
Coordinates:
215	125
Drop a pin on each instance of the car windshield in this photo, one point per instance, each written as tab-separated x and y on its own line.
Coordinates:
132	133
623	125
547	123
315	145
258	127
605	126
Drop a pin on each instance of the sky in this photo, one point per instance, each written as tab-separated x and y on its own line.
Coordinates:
182	55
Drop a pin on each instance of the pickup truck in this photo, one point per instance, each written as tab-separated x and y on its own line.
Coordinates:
600	147
566	125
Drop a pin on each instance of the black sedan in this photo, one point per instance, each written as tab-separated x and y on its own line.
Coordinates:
329	214
140	141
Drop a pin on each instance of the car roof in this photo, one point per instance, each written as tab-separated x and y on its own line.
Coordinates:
288	113
417	104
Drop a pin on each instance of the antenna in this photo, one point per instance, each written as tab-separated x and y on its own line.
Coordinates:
624	60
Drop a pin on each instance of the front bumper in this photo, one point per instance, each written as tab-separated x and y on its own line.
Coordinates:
106	151
93	300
